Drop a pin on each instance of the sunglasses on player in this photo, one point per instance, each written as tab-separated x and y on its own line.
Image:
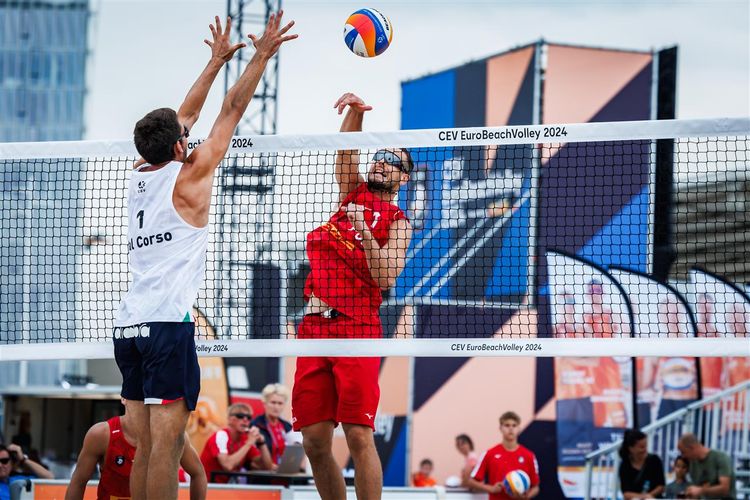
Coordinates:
185	133
247	416
5	460
390	158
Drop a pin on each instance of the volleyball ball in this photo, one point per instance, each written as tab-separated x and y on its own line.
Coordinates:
368	33
516	482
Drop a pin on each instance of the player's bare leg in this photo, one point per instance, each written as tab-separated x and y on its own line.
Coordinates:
318	443
138	414
368	473
167	440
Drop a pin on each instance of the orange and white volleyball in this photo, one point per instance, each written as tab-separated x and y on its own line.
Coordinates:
368	33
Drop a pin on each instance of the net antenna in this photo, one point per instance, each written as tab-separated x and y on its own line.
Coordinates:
246	188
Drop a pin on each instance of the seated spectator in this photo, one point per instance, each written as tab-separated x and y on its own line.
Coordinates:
272	427
465	447
641	473
15	466
678	487
423	479
711	471
238	446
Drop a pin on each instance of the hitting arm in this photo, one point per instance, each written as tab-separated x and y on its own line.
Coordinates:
347	161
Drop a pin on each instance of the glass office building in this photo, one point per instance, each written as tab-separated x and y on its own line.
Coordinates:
43	51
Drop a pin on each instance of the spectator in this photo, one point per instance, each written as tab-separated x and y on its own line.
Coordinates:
12	460
507	456
465	447
678	487
641	473
272	427
423	478
711	471
111	446
236	447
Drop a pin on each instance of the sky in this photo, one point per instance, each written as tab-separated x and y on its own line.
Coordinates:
147	53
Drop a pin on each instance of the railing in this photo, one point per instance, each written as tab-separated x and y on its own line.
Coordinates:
721	422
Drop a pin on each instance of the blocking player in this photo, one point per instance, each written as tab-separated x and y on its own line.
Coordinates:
168	208
354	256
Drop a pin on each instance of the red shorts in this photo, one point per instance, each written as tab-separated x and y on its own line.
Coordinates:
344	389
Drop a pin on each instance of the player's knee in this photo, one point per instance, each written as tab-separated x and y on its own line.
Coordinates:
317	446
359	439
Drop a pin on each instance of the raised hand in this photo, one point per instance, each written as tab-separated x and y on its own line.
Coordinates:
354	102
220	46
272	37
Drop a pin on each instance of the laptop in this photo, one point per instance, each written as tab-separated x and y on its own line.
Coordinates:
291	460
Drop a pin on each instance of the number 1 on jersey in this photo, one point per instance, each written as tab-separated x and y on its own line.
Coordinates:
140	219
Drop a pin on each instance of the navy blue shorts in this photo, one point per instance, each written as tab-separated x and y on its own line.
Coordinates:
158	363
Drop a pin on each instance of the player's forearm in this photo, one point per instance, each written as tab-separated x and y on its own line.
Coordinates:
347	161
239	96
196	96
378	261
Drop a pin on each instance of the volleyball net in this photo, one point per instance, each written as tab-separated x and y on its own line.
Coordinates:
538	240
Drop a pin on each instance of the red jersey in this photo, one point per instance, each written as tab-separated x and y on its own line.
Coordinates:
340	275
278	438
497	462
115	468
219	443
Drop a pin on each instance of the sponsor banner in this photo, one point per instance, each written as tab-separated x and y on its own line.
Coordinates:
594	402
721	309
585	301
664	384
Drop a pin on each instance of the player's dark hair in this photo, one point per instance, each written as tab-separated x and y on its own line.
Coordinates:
156	134
426	461
629	439
466	439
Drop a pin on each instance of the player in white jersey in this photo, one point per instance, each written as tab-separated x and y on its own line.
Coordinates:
168	207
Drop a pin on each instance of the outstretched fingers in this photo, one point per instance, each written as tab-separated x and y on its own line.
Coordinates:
218	25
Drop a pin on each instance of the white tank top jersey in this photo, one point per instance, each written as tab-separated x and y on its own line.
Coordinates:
167	256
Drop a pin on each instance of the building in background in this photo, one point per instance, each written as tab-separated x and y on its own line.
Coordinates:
43	47
43	51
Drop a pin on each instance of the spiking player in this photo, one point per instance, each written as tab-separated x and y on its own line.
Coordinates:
353	257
